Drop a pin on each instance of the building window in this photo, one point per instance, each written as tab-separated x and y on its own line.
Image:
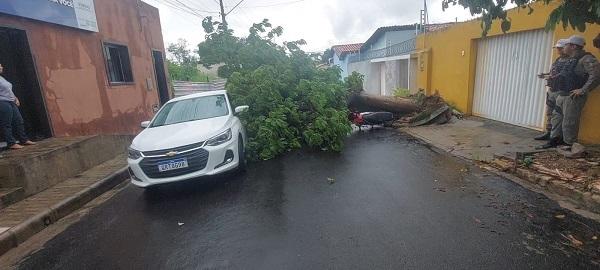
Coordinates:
118	64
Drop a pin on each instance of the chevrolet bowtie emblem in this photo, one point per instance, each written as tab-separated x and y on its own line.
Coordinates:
172	153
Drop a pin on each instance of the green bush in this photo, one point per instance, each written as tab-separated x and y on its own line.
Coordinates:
354	82
292	103
402	92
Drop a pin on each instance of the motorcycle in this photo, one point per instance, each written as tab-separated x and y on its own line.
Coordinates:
371	119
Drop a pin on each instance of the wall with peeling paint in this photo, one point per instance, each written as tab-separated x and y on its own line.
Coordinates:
72	73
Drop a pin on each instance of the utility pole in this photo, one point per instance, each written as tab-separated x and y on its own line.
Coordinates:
424	17
223	14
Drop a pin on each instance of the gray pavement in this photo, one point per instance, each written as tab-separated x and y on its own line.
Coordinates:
477	138
392	204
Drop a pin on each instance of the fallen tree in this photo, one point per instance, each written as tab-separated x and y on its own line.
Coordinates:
413	110
292	102
365	102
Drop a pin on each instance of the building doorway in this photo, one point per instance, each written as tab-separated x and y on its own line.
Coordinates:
161	77
19	69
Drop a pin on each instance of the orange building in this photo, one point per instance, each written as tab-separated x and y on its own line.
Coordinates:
495	77
83	67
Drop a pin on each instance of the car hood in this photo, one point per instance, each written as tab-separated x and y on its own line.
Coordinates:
182	134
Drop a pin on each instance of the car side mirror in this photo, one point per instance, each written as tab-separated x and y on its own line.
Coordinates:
145	124
240	109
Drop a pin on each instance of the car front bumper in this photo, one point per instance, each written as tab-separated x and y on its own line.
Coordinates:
216	164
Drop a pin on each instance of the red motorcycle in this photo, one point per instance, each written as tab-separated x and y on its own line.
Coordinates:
371	119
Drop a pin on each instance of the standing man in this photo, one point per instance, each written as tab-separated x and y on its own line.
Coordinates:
575	83
552	84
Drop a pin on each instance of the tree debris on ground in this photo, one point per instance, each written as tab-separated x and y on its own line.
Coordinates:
581	175
574	242
580	170
413	110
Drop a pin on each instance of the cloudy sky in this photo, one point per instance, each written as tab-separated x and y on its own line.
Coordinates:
322	23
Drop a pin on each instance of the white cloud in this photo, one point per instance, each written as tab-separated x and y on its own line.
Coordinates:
322	23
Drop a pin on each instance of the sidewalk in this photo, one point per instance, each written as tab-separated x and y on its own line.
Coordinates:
477	139
23	219
497	144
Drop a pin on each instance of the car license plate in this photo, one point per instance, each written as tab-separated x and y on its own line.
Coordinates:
170	165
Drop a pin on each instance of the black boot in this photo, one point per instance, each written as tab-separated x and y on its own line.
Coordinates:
543	137
554	142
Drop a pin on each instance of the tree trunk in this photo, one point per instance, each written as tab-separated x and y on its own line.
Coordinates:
364	102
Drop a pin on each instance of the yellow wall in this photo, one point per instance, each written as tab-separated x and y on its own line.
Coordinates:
447	62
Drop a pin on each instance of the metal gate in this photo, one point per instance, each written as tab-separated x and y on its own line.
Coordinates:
506	86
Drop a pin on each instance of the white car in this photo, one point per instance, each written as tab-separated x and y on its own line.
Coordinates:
191	136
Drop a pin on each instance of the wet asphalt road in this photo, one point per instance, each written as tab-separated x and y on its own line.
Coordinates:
394	204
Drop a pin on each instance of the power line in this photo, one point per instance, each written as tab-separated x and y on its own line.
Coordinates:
275	4
234	7
194	9
175	7
198	5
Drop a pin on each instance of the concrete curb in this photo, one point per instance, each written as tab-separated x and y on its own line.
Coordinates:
26	229
581	198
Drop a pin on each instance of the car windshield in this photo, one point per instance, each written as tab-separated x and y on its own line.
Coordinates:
191	110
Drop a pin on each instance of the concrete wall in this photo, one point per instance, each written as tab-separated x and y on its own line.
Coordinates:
71	69
343	64
413	67
371	71
391	38
392	78
379	43
336	60
447	62
395	76
403	74
59	159
399	36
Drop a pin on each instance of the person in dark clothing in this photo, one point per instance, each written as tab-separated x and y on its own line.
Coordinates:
11	121
558	65
576	81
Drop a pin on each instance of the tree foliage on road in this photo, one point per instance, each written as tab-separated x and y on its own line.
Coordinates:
183	64
574	13
292	102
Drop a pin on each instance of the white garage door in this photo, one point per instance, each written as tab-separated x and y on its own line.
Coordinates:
506	86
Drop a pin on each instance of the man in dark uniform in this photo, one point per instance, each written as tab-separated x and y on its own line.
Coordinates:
552	79
575	83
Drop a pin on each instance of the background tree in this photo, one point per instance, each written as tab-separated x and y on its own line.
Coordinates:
574	13
183	64
327	54
292	102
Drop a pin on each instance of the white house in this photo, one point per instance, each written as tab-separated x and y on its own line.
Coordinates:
385	60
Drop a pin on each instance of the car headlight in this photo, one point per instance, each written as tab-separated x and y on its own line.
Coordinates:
220	139
133	154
